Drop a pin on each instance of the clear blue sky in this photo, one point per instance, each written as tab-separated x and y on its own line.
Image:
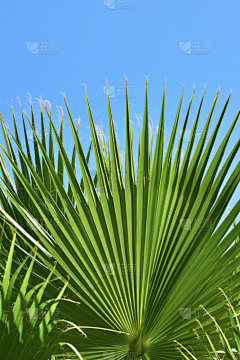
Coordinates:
87	41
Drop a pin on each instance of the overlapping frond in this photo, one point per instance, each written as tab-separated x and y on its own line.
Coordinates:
28	327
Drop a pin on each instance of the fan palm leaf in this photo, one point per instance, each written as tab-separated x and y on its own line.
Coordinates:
142	249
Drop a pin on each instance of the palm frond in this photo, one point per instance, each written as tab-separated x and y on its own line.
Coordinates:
145	246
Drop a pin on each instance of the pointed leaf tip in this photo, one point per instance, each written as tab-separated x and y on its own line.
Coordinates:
218	91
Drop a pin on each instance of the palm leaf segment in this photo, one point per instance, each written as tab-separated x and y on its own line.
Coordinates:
228	339
28	329
135	263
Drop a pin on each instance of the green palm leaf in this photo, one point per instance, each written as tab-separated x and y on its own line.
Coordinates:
146	248
24	332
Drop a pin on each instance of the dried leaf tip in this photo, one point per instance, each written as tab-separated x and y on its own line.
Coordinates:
218	91
176	342
85	87
55	263
193	89
126	80
19	101
205	90
49	104
106	83
165	84
68	279
230	93
146	76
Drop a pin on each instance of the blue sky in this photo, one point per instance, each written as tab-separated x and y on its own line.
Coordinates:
53	47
